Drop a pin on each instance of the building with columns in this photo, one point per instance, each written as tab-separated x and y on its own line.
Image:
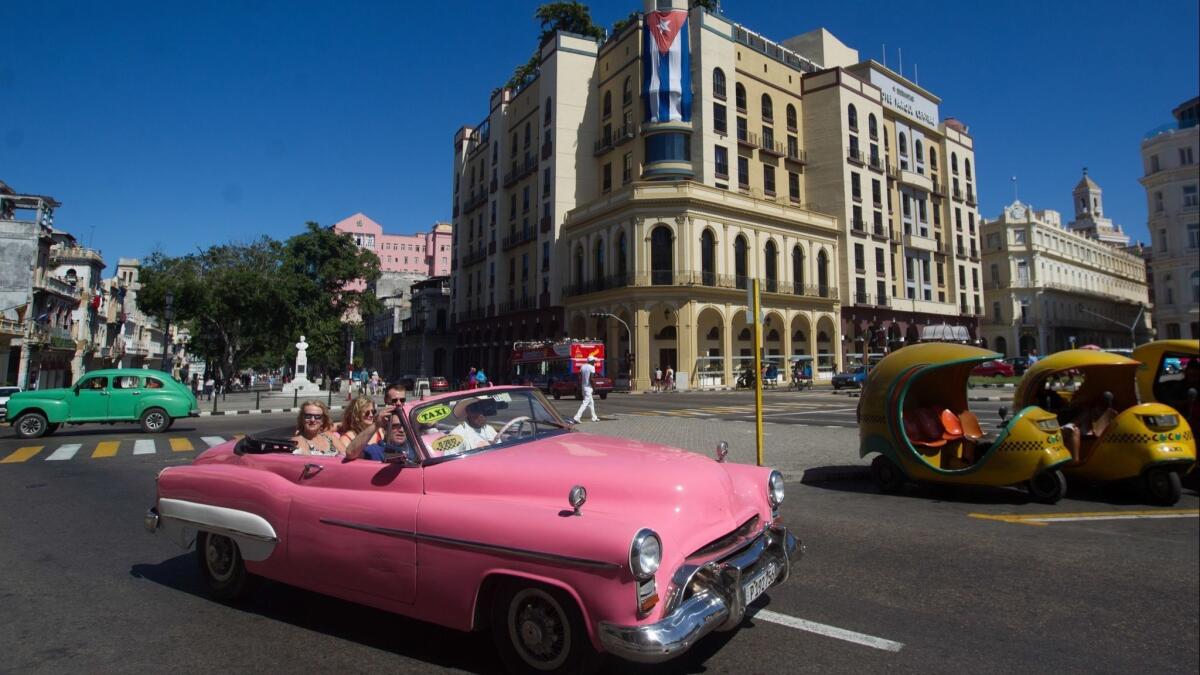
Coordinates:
606	183
1172	183
1051	287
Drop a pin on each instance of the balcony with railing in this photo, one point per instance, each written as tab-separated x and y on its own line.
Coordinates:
875	162
474	200
878	231
43	281
520	170
770	146
518	237
547	150
858	226
971	197
698	278
476	255
546	224
855	156
597	285
12	327
517	305
957	194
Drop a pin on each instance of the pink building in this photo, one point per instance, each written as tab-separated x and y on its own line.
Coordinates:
427	253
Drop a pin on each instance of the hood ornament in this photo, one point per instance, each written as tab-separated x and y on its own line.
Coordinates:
577	497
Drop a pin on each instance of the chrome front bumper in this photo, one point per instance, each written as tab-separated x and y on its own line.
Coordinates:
150	520
718	601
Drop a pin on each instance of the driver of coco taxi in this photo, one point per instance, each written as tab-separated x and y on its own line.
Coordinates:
474	430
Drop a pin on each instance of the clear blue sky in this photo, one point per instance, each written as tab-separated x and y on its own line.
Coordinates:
180	124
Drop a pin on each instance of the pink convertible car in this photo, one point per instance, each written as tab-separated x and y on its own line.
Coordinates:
495	515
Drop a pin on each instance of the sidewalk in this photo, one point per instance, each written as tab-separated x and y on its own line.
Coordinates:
801	453
266	402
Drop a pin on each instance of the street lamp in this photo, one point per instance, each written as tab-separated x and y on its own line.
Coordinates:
168	314
628	333
1132	327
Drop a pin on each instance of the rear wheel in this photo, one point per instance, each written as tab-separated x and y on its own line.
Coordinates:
222	568
1048	486
603	396
31	425
557	395
887	475
155	420
539	629
1162	486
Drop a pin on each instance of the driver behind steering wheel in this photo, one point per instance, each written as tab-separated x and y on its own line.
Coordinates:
474	430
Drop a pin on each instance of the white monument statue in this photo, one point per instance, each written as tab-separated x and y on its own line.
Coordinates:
300	381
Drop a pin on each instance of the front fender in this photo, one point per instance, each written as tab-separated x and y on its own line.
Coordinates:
55	411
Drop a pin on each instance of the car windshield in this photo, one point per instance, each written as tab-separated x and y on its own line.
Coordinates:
476	420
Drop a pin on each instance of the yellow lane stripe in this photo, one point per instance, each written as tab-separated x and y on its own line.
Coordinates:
105	449
181	445
1042	519
22	454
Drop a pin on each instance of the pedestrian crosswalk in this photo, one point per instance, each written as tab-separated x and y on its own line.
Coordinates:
104	449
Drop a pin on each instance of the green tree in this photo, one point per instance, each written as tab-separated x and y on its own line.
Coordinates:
571	17
332	279
234	299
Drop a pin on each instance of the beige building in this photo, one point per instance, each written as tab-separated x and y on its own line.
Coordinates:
1173	200
1049	287
583	193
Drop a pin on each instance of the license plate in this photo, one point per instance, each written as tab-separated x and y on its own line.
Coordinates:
759	583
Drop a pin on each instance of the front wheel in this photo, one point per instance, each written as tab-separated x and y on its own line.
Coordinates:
539	629
1048	487
1162	486
887	475
222	568
31	425
155	420
557	395
604	396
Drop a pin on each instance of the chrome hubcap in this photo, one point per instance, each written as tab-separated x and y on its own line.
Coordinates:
154	421
219	556
31	425
539	629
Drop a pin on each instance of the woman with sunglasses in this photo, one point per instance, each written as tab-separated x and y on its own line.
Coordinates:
357	417
314	434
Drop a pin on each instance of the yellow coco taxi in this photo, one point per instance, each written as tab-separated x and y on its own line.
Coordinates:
1170	374
913	412
1110	435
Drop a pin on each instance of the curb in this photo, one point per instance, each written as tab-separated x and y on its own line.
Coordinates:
260	411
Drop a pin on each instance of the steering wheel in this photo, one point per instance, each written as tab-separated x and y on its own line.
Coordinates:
520	422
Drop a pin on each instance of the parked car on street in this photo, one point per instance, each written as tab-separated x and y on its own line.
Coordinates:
562	544
5	393
437	383
1018	363
994	368
851	379
568	385
149	397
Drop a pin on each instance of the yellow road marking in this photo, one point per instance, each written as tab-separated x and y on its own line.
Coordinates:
22	454
1042	519
105	449
181	445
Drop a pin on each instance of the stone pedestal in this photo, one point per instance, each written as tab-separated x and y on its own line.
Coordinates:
300	382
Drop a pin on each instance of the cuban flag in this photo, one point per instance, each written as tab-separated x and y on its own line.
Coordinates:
666	70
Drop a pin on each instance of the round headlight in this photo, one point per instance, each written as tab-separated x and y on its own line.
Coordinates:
775	489
645	554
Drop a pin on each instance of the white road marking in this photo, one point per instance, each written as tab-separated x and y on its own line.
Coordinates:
212	440
64	452
144	446
827	631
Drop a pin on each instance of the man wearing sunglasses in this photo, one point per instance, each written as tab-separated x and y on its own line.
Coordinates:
395	439
395	395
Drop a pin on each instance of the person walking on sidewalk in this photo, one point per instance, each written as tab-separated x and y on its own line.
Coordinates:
669	382
586	372
657	383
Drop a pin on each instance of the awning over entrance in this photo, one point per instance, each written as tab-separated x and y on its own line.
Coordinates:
945	333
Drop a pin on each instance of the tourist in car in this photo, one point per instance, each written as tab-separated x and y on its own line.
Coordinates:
356	418
394	440
314	433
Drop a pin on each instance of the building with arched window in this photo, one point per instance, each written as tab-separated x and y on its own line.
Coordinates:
747	159
1049	286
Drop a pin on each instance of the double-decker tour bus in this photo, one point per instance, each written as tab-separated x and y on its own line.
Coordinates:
553	366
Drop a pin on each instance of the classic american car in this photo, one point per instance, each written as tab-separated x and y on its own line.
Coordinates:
501	517
149	397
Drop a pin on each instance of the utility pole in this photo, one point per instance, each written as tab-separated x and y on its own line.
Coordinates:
1131	327
758	375
628	333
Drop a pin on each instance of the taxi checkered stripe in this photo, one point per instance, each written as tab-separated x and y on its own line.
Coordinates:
874	419
1187	435
1021	446
1129	438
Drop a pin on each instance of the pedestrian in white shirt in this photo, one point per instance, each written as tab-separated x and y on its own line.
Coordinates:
586	372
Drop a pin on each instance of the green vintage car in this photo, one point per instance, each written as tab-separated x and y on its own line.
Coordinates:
149	397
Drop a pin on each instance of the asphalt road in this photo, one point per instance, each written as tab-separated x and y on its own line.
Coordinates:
922	579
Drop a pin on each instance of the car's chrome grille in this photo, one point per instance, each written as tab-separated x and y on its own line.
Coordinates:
743	531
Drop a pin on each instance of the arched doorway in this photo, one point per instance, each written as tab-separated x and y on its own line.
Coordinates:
711	348
664	343
1002	346
1027	344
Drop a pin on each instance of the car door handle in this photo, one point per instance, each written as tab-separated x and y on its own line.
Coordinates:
311	470
135	393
